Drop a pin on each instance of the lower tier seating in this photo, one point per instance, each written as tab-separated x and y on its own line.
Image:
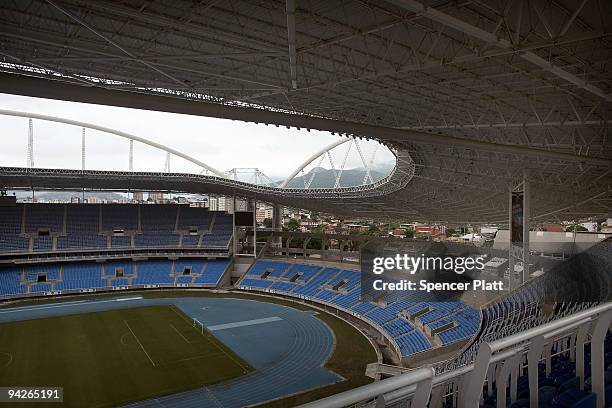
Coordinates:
452	321
16	281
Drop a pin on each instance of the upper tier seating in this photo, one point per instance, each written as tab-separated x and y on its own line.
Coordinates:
341	288
11	238
194	218
77	227
157	224
48	217
124	216
221	231
82	228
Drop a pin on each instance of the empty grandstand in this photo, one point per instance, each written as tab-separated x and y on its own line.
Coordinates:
496	116
66	228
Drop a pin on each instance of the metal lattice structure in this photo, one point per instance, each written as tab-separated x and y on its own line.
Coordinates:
251	175
469	94
325	155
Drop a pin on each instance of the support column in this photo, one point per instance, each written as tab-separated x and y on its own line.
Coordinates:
323	245
511	262
83	150
518	215
131	156
30	144
277	224
255	228
234	240
526	217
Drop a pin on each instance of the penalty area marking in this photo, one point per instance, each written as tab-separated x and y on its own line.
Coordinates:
139	343
179	333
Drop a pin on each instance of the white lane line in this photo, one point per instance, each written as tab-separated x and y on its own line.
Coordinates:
64	304
27	308
141	346
243	323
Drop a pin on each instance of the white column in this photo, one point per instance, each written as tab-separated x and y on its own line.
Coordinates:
526	215
235	244
511	263
83	150
254	228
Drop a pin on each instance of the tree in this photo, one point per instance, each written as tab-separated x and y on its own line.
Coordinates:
576	227
373	230
451	231
267	222
409	233
293	225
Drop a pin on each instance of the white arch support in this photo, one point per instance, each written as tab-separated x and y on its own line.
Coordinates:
114	132
339	174
311	159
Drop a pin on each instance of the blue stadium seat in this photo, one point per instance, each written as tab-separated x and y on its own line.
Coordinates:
213	271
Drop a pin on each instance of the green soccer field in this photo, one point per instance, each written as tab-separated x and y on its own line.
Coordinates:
114	357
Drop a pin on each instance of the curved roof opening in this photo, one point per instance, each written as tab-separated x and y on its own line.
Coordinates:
248	152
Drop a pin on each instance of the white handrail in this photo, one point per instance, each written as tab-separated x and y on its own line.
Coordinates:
420	377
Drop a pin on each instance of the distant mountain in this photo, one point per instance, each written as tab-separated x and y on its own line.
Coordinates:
67	195
325	178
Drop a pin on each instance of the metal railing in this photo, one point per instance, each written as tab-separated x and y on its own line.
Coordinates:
419	380
498	365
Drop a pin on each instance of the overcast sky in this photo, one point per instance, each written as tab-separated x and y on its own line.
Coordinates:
222	144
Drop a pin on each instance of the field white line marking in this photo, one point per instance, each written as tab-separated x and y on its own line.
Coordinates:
141	346
179	315
196	357
179	333
244	323
65	304
189	359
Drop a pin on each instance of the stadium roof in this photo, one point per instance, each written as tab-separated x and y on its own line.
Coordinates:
469	93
